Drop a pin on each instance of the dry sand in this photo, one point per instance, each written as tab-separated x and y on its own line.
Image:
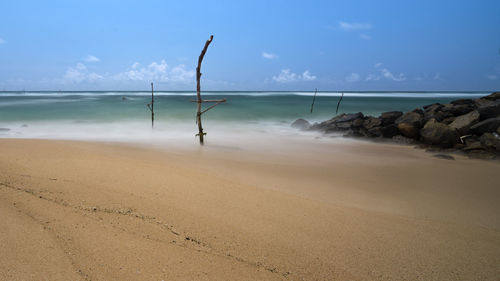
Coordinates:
330	211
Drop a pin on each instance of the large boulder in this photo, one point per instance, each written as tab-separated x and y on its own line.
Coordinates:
301	124
346	117
463	102
438	134
371	122
458	109
493	96
489	109
389	131
389	117
435	111
463	122
340	122
490	141
409	124
486	126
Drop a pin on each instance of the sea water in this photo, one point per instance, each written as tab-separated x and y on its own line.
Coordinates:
124	116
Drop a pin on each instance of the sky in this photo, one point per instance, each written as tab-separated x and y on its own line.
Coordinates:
257	46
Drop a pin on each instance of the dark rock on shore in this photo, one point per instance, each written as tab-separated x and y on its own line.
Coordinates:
486	126
438	134
463	122
489	109
301	124
389	117
410	123
470	126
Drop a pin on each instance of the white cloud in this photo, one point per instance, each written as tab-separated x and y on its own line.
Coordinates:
2	41
269	56
91	58
80	73
286	76
372	77
492	77
157	71
346	26
384	73
353	77
306	76
387	74
365	37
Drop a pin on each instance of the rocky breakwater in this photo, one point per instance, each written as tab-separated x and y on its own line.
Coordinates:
464	125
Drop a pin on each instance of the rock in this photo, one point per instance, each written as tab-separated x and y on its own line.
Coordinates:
389	117
409	130
444	156
435	111
438	134
473	145
463	102
413	118
490	141
463	122
493	96
403	140
448	120
456	110
409	124
349	117
371	122
389	131
375	132
489	109
487	126
358	122
335	123
432	107
301	124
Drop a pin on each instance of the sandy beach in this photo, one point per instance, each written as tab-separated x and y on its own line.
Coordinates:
346	210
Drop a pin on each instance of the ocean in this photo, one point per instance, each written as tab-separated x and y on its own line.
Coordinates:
124	116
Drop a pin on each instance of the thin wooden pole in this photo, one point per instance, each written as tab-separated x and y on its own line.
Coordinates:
198	100
151	106
198	91
314	98
337	111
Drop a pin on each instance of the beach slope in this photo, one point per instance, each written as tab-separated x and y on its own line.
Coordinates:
350	211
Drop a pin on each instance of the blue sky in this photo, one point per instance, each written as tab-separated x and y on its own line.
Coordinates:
258	45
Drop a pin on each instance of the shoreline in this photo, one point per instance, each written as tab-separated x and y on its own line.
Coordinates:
341	210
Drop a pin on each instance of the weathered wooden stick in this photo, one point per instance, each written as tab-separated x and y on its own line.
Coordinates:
337	111
151	106
198	94
314	98
212	106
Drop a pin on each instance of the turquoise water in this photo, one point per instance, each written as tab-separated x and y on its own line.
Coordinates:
80	114
240	106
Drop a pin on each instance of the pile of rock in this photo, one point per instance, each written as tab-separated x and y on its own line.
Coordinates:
470	126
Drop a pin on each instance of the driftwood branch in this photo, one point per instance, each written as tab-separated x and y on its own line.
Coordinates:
151	106
338	104
212	106
314	98
199	100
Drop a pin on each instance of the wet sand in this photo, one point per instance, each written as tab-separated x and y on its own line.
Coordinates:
319	210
